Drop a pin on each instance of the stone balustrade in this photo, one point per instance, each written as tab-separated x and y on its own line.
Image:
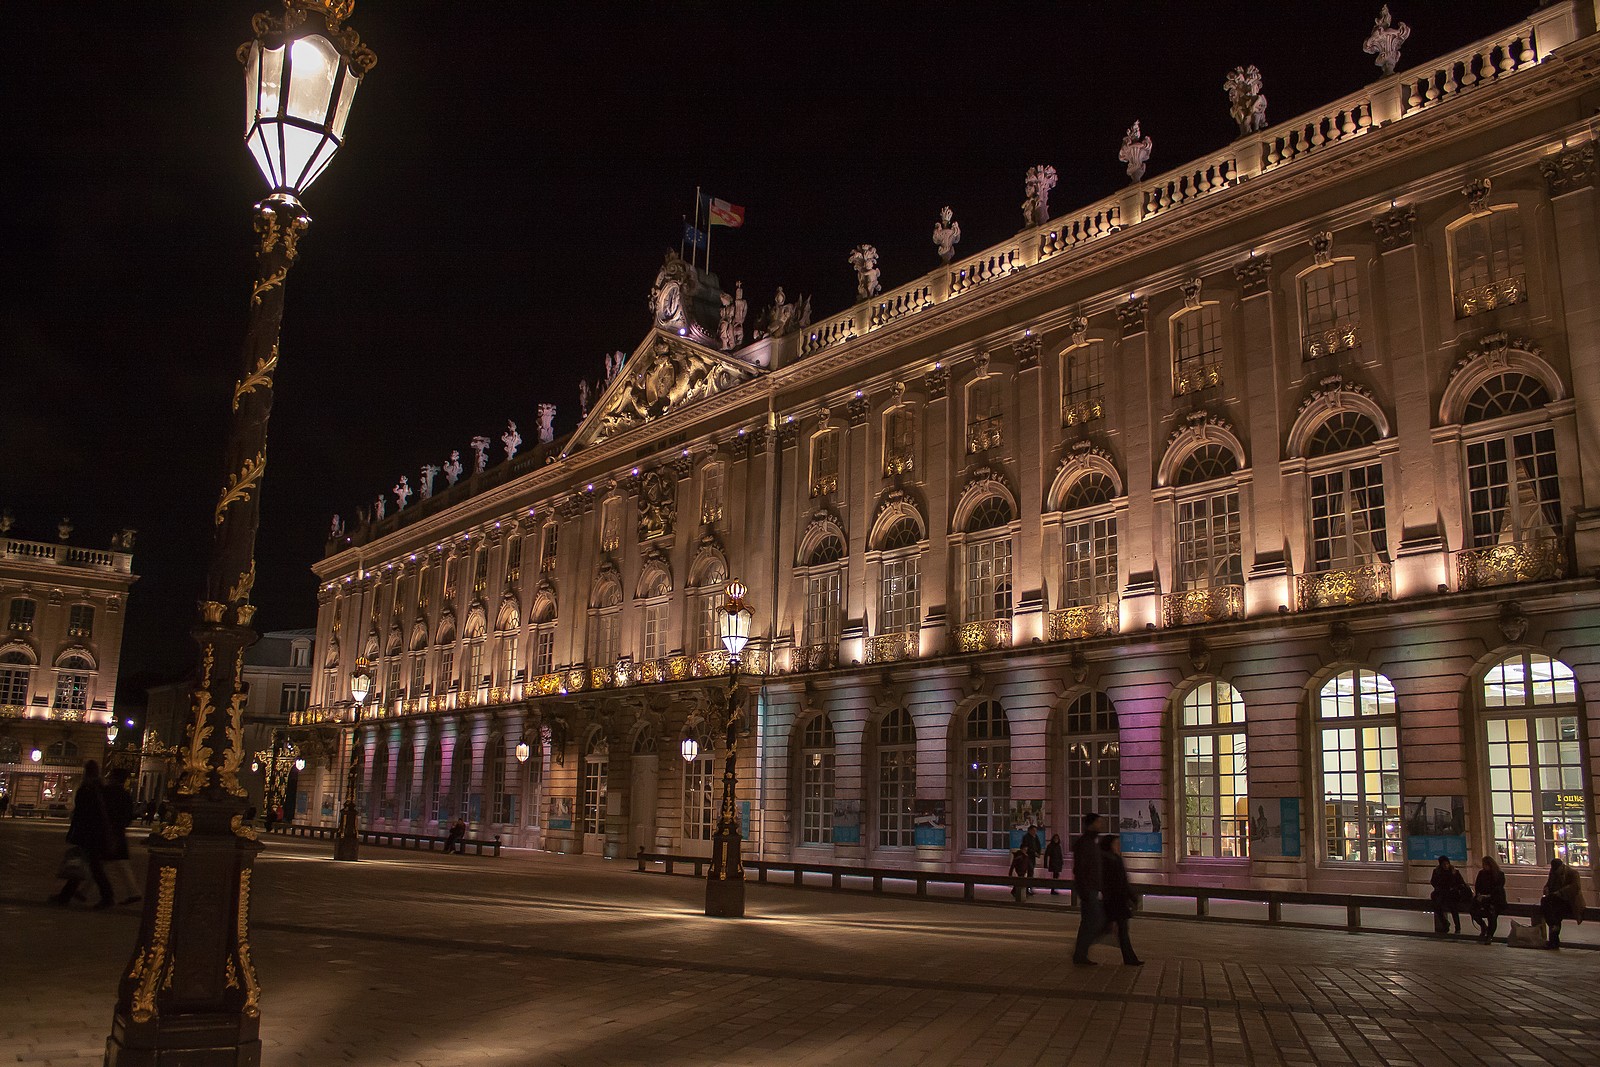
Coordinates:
66	555
1286	143
1478	63
1357	585
901	302
1065	234
830	332
1209	175
1538	560
1195	606
996	263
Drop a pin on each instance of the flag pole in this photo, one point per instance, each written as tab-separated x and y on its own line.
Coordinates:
683	234
696	222
708	240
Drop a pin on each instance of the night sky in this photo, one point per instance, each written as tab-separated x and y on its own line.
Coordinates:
512	176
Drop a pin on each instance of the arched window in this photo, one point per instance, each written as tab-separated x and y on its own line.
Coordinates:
73	675
1510	393
656	589
502	802
816	782
1360	767
16	679
1216	796
824	578
1330	305
380	780
405	781
1094	759
1083	383
699	800
1206	462
1196	349
65	751
1089	543
897	779
542	639
1486	257
1342	431
986	758
592	783
987	561
710	577
1210	555
1538	795
900	579
1347	499
1513	488
461	795
432	794
605	625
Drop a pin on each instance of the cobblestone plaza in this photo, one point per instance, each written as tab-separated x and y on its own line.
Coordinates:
553	960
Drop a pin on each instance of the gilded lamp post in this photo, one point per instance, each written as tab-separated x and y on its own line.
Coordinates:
725	883
189	995
347	842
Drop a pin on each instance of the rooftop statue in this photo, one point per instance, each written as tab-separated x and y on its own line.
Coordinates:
7	520
583	396
480	448
425	483
1135	152
1246	102
1036	188
779	318
614	362
452	470
547	423
377	508
864	258
64	529
336	530
1385	40
946	235
124	539
402	493
512	439
727	328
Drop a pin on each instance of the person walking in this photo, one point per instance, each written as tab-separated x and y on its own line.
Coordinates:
5	802
1030	849
1019	871
1086	886
1488	898
1053	860
119	811
1563	899
1449	893
1119	896
90	831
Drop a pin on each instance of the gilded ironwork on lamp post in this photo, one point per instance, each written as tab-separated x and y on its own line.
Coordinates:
347	842
189	995
725	883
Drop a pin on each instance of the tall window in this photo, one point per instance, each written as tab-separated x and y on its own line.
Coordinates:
419	674
706	604
605	626
22	611
1083	383
816	782
72	684
699	807
987	562
986	752
596	761
900	579
655	629
432	794
461	779
1196	350
1094	759
1089	544
1486	254
513	561
508	658
611	524
897	779
502	803
824	586
480	572
985	419
80	621
474	663
1216	797
447	666
1210	555
547	548
391	678
1513	491
825	461
1538	798
899	439
16	678
1360	768
404	780
544	635
380	779
712	476
1347	501
1331	304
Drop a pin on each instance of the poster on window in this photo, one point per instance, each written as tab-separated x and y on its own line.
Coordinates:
846	822
746	825
327	805
928	822
1275	827
1435	826
1026	813
1139	824
561	813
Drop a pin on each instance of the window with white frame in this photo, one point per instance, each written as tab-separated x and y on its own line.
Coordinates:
1486	260
1196	349
391	678
404	774
447	666
592	803
474	663
419	674
706	603
502	802
900	579
1331	309
1359	730
1083	383
16	679
1513	487
824	578
699	805
816	782
1089	543
508	658
897	779
1210	554
986	757
1094	759
432	792
80	621
1538	792
1346	494
605	626
72	683
986	570
655	629
1216	796
712	477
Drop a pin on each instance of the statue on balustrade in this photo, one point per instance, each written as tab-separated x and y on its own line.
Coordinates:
377	508
779	318
402	493
1246	102
1385	40
584	396
1036	188
727	329
336	531
429	472
614	363
1135	152
547	423
946	235
480	448
452	470
864	258
511	439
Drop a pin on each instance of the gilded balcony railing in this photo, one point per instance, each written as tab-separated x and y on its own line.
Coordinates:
1481	298
602	677
983	636
825	485
984	434
898	463
1077	409
1330	589
1195	606
1198	378
13	711
818	657
888	648
1340	338
710	513
1088	620
1538	560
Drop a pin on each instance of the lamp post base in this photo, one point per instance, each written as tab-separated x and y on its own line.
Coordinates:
347	843
725	884
725	899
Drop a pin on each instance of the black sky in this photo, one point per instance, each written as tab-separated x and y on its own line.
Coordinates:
513	174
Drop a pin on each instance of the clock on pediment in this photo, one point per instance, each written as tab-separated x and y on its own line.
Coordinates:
672	292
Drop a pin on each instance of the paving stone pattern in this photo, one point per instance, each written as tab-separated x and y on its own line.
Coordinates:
536	959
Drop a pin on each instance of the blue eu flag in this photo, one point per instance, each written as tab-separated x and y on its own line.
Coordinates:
693	237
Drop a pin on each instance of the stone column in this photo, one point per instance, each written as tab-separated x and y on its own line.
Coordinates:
1267	568
1028	445
1140	597
935	563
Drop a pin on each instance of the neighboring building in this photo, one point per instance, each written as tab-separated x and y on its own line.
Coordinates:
277	669
1257	505
63	608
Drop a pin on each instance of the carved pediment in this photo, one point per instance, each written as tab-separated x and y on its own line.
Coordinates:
665	374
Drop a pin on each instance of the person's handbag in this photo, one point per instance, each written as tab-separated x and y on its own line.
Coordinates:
74	865
1534	936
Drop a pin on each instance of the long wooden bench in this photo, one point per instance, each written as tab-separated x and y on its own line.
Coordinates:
388	838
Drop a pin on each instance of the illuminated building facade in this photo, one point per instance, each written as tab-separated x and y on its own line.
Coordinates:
1257	505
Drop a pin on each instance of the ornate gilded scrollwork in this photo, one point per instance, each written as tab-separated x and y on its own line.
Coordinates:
241	589
260	377
252	989
242	484
183	826
148	966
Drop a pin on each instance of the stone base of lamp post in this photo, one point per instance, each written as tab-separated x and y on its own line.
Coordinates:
347	843
725	886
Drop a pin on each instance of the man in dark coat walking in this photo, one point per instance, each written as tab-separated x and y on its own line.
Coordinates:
1086	885
90	831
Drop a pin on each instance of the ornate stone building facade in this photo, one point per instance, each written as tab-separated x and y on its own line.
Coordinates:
63	608
1257	505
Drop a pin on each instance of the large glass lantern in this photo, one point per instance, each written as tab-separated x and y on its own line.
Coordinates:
734	625
361	681
689	747
523	751
301	74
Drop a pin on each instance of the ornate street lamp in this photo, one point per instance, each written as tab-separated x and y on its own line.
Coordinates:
689	746
347	842
523	751
725	883
190	993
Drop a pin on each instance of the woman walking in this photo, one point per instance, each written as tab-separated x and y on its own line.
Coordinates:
1053	860
1488	898
90	833
1118	896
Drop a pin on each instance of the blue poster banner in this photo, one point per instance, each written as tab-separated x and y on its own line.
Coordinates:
928	823
1429	847
744	820
1138	823
1289	813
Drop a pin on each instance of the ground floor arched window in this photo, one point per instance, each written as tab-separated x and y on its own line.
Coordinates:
1538	799
986	758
